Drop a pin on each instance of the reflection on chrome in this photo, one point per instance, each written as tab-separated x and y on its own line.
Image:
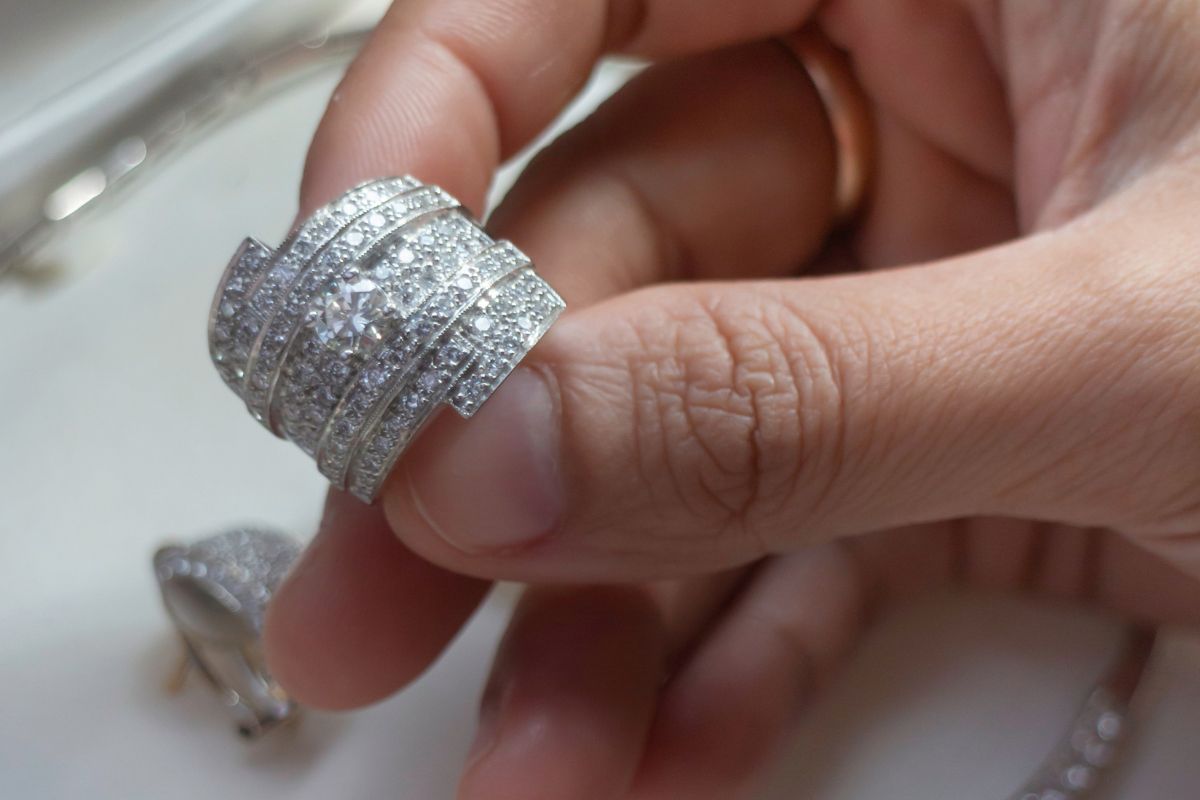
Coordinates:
172	119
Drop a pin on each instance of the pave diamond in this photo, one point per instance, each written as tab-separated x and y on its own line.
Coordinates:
521	310
402	352
246	564
305	408
257	271
380	309
352	316
274	342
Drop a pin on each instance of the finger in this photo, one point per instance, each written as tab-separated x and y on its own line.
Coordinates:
690	427
687	607
446	88
716	166
360	615
927	205
558	631
721	717
750	651
570	697
590	176
1092	566
949	45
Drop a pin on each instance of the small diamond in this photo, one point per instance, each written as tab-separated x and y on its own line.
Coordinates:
349	208
376	220
354	238
1078	777
1108	726
412	401
406	256
428	381
227	309
483	323
427	239
464	282
352	314
525	323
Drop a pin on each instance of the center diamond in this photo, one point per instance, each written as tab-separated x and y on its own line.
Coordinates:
352	315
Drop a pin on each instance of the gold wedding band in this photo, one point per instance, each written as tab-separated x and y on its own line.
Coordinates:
849	114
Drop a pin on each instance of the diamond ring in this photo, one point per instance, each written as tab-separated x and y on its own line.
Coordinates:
216	592
380	308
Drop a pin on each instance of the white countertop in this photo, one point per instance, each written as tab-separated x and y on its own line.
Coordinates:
115	435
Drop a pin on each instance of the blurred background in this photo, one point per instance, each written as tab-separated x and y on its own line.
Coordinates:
140	140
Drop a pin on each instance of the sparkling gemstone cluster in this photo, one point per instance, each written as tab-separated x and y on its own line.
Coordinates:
1091	745
380	308
245	564
352	314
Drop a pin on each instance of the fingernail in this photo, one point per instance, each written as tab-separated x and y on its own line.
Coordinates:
493	482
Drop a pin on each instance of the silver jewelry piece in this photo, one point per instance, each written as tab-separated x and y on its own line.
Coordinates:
1099	733
216	592
383	306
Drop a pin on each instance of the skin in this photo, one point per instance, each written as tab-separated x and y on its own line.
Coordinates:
741	445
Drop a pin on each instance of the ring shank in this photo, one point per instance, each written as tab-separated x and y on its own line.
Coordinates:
849	113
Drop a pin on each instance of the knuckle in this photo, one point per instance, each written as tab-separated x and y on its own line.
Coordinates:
1128	443
738	402
1155	400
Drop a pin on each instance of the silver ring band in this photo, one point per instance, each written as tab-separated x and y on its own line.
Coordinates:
383	306
1099	733
216	592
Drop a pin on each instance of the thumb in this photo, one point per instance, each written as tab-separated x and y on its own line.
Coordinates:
687	427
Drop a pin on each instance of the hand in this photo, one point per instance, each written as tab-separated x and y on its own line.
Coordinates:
780	439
